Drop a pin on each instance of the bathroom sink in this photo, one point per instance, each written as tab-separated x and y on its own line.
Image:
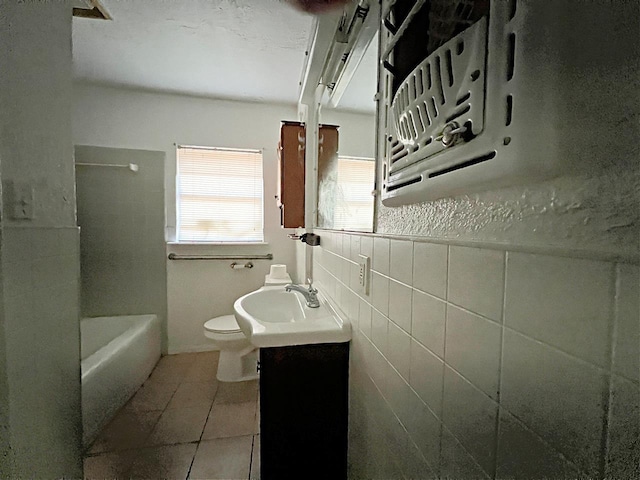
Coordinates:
273	317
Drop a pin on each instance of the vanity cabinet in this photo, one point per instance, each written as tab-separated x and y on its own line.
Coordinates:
291	167
303	411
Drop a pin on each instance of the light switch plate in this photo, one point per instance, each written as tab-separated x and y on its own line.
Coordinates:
364	273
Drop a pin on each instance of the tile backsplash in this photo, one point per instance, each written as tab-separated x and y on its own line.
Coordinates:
485	363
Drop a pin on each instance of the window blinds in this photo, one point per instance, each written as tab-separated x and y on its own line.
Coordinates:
354	205
219	195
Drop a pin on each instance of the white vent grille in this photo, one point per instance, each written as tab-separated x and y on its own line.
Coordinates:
542	103
447	86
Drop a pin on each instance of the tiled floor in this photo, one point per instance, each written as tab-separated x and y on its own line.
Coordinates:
181	424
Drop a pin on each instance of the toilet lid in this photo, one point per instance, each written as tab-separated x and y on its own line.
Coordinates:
223	324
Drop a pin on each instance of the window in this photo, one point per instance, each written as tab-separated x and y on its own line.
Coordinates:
354	205
219	195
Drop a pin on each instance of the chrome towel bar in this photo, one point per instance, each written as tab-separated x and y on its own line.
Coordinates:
174	256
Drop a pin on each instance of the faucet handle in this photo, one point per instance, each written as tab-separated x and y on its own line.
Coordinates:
311	288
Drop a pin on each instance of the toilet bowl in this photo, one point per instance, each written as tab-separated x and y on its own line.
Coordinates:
238	358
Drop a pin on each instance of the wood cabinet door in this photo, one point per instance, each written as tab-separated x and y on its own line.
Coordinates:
291	165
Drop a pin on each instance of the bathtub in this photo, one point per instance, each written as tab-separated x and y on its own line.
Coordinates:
118	354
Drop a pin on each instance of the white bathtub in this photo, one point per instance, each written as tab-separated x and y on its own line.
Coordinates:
118	354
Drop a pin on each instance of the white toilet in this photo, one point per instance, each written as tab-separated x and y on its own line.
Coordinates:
239	358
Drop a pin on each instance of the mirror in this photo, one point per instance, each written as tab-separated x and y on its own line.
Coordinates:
346	180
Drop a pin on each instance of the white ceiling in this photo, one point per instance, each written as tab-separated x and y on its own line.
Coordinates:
243	49
237	49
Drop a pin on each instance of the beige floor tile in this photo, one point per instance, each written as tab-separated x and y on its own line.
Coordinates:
180	358
193	394
230	420
179	425
204	368
153	395
171	369
237	392
126	431
108	465
255	459
223	458
172	462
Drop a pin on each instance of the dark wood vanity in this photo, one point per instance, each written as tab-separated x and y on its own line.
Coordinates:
303	411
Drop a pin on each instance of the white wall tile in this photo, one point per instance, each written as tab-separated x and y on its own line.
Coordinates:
397	392
476	280
401	261
456	463
471	417
627	338
379	331
426	376
523	455
399	349
352	306
557	396
354	277
380	261
623	456
346	245
366	246
424	430
364	318
430	268
345	271
427	321
354	251
380	292
472	347
377	368
564	302
400	304
337	243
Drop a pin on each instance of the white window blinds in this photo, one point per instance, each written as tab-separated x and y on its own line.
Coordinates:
354	206
219	195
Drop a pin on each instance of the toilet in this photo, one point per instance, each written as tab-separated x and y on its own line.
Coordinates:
239	358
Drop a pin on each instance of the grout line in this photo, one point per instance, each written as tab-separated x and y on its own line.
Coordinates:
461	445
607	394
444	351
500	365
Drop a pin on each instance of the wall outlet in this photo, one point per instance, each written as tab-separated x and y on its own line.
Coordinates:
364	273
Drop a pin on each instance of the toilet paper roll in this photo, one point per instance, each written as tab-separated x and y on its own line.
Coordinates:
278	271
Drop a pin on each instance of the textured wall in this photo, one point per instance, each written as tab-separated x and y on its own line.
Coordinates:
121	218
598	213
475	363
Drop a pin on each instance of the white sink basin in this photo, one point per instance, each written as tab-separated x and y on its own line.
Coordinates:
273	317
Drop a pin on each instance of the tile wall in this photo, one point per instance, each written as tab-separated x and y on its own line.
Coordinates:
122	246
484	363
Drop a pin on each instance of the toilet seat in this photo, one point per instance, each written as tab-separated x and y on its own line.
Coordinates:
225	324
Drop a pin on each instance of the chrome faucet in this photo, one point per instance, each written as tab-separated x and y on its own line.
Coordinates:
310	294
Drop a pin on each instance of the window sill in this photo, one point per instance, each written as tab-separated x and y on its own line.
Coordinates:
216	244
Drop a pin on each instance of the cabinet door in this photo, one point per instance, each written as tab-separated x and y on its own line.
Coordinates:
291	174
304	404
